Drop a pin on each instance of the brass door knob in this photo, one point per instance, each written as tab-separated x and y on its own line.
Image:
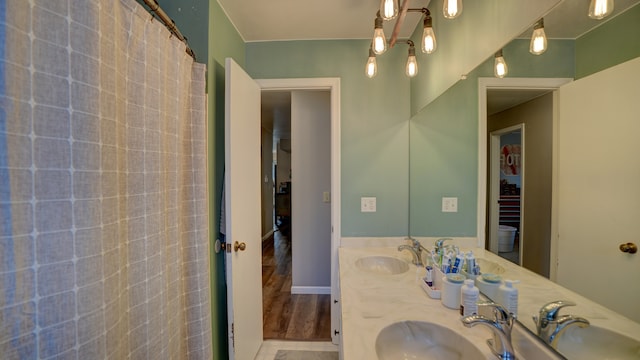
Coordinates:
630	248
239	246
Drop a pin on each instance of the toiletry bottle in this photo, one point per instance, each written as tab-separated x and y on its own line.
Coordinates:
471	264
457	263
508	296
469	294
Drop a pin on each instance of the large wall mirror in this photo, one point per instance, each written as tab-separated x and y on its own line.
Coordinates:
577	199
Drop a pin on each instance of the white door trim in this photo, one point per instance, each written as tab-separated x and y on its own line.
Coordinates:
506	83
333	85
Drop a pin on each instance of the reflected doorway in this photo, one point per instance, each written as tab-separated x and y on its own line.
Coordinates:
506	188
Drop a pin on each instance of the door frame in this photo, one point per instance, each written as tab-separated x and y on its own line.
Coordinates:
333	85
484	84
494	183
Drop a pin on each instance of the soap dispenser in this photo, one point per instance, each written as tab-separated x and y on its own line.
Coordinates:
508	296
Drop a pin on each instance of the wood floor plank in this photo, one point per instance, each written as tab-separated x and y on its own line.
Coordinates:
287	316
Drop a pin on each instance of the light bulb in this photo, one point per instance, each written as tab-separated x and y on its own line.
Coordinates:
412	64
389	9
500	68
538	43
428	36
371	69
452	8
599	9
379	43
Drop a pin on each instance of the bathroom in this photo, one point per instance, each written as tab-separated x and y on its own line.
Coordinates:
377	123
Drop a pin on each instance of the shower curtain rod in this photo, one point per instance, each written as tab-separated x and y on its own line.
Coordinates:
169	23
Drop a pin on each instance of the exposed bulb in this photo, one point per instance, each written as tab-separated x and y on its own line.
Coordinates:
428	37
452	8
371	69
389	9
379	43
500	66
412	64
599	9
538	43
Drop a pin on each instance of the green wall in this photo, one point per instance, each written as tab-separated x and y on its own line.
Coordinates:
612	43
374	123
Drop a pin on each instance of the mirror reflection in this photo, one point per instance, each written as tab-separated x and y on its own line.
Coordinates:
558	193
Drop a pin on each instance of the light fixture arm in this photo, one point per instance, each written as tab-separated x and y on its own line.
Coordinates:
403	12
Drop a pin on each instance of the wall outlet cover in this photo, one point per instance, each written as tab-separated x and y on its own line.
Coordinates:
367	204
449	204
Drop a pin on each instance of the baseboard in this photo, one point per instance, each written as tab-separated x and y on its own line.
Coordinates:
311	289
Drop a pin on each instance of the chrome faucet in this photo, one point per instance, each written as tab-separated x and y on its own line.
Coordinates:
440	244
550	326
415	249
501	327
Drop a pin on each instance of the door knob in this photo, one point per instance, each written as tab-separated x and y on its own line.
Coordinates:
630	248
239	246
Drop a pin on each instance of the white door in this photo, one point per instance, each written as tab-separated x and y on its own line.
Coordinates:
242	209
598	188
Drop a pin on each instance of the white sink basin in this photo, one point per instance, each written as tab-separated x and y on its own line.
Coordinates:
489	267
530	347
423	340
382	265
594	342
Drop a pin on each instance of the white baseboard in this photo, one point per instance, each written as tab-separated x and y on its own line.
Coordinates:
311	289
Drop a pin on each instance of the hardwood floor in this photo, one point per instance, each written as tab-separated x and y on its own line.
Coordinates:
287	316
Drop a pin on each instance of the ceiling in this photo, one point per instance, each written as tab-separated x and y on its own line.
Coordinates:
273	20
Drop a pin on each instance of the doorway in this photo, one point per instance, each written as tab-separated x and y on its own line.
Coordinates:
296	129
505	191
536	253
305	296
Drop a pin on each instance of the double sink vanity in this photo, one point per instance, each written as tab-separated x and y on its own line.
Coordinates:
386	314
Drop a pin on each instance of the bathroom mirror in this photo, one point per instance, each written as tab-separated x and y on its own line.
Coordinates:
444	150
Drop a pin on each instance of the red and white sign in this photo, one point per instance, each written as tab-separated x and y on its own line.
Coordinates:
510	159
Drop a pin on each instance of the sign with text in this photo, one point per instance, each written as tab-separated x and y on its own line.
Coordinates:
510	159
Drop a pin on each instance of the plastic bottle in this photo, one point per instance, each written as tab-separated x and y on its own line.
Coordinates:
469	294
471	263
508	296
457	263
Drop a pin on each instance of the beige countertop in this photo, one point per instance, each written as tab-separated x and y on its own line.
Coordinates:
370	302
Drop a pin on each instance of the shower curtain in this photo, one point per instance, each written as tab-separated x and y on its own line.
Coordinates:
104	246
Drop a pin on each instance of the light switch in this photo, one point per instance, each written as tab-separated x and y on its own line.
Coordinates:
326	197
449	204
368	204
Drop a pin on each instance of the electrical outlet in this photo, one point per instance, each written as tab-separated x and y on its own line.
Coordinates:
449	204
368	204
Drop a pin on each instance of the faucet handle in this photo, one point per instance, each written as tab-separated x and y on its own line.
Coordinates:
500	313
550	310
440	242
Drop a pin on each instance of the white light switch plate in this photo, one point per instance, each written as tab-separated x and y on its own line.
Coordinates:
326	197
449	204
368	204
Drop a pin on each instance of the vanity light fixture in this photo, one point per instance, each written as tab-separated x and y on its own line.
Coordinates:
500	66
411	68
389	9
371	69
599	9
428	36
538	43
379	42
452	8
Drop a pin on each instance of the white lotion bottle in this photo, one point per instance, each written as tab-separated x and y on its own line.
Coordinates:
469	295
508	296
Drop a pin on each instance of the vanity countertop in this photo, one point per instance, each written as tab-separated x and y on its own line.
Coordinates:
370	302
